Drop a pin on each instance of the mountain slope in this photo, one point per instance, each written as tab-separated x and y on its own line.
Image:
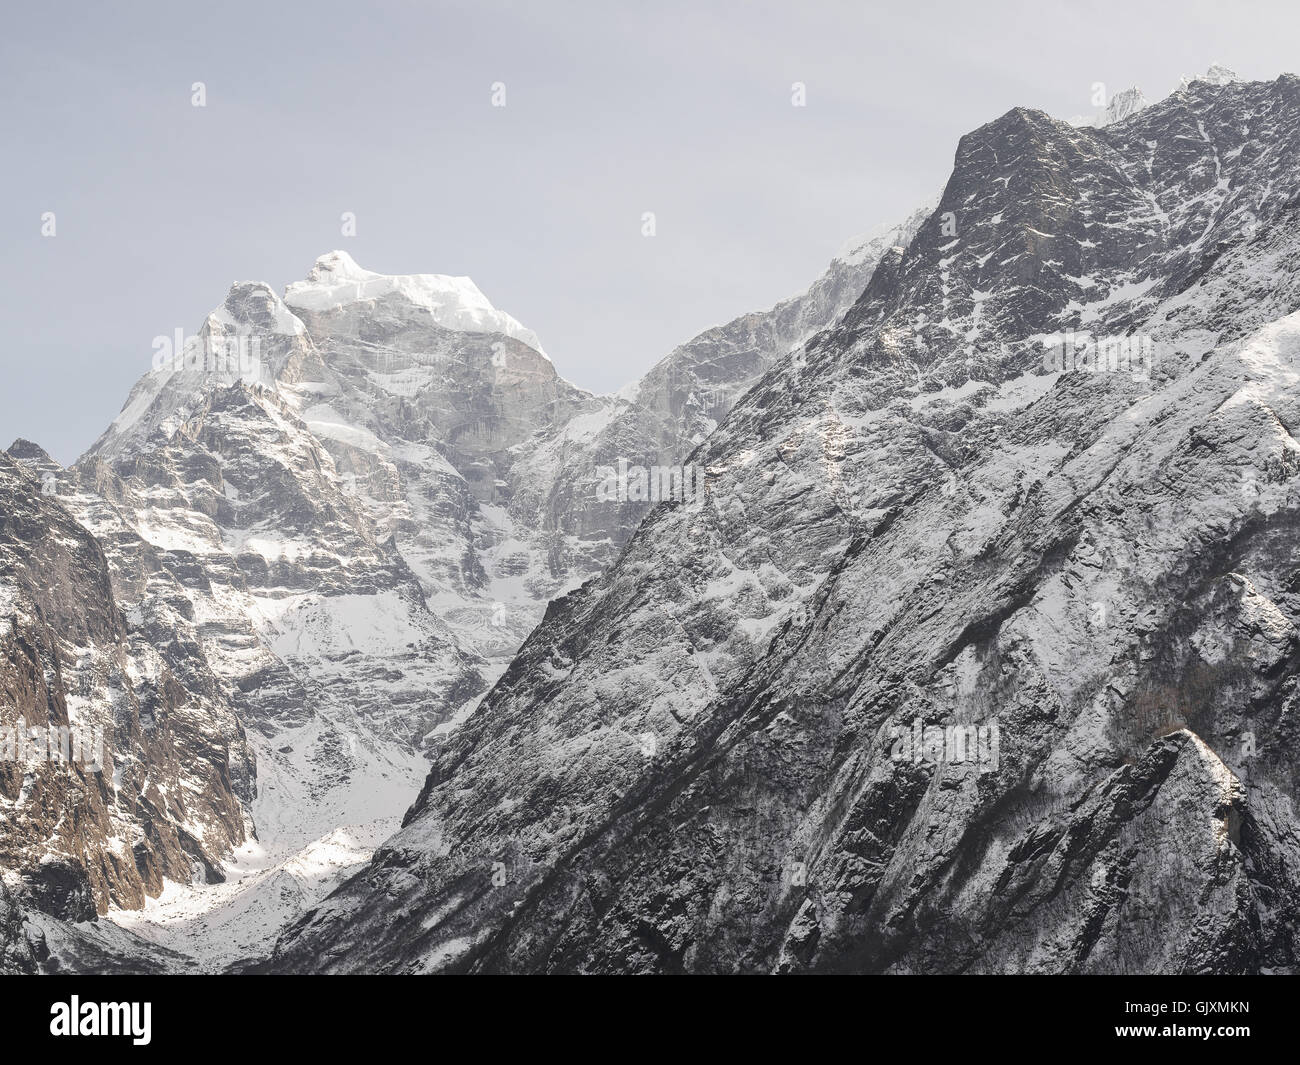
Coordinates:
937	515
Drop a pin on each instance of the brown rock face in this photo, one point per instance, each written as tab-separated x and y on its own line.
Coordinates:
133	764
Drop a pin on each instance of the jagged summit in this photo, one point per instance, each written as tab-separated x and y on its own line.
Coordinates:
1123	104
336	280
338	266
259	338
1130	101
23	449
1119	107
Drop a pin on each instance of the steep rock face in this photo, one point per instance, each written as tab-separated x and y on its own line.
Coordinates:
16	957
147	779
250	507
977	655
427	423
556	479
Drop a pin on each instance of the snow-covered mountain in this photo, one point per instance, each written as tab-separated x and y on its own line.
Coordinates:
1132	100
978	654
342	510
1119	107
974	653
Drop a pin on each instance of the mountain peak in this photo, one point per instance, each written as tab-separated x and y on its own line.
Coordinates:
338	266
335	281
1217	74
25	449
1123	104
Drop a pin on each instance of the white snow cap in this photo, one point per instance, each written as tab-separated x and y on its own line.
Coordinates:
455	302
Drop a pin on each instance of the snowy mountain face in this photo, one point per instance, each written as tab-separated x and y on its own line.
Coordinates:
334	517
978	653
691	390
1123	104
972	653
325	497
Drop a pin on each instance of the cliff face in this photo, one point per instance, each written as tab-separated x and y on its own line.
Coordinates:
979	652
125	762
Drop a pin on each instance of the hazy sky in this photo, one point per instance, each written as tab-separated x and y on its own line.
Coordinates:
612	109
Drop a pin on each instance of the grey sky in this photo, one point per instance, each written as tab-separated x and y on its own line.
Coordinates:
613	109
